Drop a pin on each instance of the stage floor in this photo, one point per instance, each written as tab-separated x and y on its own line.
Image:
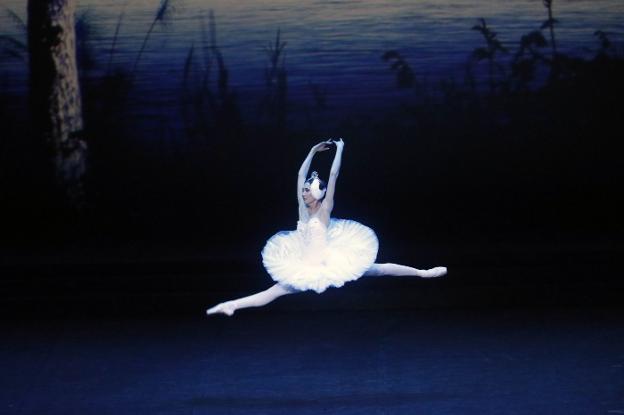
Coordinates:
271	361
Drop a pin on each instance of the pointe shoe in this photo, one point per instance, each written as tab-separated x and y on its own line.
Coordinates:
434	272
226	308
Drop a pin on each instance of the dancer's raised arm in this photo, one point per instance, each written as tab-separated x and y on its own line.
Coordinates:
328	202
305	167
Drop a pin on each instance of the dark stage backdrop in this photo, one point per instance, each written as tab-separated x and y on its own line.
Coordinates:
481	135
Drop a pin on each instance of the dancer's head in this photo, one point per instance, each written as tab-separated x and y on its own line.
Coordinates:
313	189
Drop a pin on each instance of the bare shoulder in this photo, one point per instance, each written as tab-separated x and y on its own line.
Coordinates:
327	206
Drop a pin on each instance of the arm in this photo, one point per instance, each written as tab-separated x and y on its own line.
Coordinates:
328	202
305	167
303	172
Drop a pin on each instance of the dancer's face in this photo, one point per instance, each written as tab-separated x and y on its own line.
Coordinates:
306	194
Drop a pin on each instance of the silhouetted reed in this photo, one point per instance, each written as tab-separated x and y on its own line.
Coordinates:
115	37
197	122
188	65
276	81
605	43
11	46
550	24
489	52
224	106
607	48
162	16
105	93
275	71
319	94
526	58
404	74
19	23
208	113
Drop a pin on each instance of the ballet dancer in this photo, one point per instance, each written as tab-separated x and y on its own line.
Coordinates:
322	252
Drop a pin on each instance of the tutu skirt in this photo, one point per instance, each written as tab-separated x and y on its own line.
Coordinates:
315	257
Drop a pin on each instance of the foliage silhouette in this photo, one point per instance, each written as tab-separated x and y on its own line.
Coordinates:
404	74
162	17
276	81
489	52
550	23
114	41
525	140
207	113
526	58
11	46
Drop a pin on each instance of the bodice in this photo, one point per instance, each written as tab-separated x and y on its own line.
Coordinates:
314	232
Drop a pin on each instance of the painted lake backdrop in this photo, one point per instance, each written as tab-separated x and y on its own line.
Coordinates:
466	122
332	52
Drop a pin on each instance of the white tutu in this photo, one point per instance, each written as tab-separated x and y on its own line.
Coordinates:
315	257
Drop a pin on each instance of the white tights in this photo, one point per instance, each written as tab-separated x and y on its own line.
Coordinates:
254	300
377	270
278	290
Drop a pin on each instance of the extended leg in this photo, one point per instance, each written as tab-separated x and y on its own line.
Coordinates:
255	300
396	269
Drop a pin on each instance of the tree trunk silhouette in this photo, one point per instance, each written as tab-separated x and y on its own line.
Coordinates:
55	101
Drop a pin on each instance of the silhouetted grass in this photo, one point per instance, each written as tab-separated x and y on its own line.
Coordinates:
526	59
18	22
210	111
320	95
550	24
161	17
489	52
276	80
404	74
14	47
480	161
114	42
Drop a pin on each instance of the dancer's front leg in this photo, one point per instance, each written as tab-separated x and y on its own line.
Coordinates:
255	300
377	270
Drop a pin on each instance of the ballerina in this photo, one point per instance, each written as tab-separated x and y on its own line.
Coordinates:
322	252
